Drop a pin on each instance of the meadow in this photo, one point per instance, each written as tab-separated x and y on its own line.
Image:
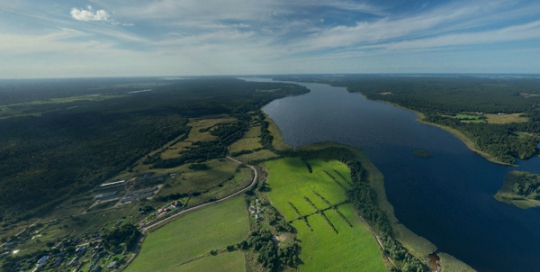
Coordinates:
353	248
250	141
194	234
469	118
223	262
506	118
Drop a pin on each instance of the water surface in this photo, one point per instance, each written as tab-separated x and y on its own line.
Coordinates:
447	198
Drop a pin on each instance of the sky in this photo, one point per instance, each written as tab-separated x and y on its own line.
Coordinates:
94	38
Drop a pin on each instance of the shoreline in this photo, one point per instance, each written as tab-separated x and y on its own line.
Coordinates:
456	133
414	243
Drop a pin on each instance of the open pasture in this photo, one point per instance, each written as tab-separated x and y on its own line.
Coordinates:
194	234
223	262
353	248
250	141
506	118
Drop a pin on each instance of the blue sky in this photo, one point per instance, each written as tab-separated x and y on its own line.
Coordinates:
72	38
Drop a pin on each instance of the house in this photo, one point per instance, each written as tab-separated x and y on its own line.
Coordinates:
43	260
252	209
111	265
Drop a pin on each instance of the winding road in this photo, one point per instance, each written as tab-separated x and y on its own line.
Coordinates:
256	174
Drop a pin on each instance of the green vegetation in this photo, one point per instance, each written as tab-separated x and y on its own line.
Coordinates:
521	189
250	142
45	159
506	118
223	262
352	247
449	264
193	234
470	118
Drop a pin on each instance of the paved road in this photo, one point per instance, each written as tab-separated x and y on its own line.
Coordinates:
146	228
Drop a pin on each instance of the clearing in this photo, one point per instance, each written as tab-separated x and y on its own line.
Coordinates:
505	118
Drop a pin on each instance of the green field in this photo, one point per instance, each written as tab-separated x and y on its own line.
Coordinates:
250	141
224	262
353	248
194	234
469	118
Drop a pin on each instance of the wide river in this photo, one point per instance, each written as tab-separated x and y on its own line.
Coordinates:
446	198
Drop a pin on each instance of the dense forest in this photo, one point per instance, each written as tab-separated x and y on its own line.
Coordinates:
525	184
75	146
441	98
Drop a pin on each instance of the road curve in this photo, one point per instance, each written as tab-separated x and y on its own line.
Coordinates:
146	228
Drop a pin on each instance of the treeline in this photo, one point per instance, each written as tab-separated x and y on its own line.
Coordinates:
121	238
499	140
364	199
204	151
76	146
272	257
450	95
525	184
266	137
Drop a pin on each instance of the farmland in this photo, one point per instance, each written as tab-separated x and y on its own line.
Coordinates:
290	182
506	118
192	235
225	262
250	141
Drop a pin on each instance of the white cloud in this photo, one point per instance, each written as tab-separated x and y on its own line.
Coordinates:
89	15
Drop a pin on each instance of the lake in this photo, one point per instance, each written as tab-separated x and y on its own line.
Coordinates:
446	198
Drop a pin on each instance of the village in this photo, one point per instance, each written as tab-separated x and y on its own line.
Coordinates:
87	252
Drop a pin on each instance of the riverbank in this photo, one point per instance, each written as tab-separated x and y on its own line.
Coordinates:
458	134
418	246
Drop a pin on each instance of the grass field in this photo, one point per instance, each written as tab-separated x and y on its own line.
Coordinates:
196	124
224	262
469	118
505	118
250	141
189	180
418	245
290	180
194	234
257	156
352	249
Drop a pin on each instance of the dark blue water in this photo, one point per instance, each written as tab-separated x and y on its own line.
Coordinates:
447	198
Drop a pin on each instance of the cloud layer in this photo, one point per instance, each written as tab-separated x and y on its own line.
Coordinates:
169	37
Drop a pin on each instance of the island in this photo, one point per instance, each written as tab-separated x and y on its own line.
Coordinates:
521	189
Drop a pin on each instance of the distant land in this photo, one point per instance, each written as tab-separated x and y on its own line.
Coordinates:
99	172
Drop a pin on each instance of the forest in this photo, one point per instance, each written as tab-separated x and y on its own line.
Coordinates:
525	184
441	98
71	147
